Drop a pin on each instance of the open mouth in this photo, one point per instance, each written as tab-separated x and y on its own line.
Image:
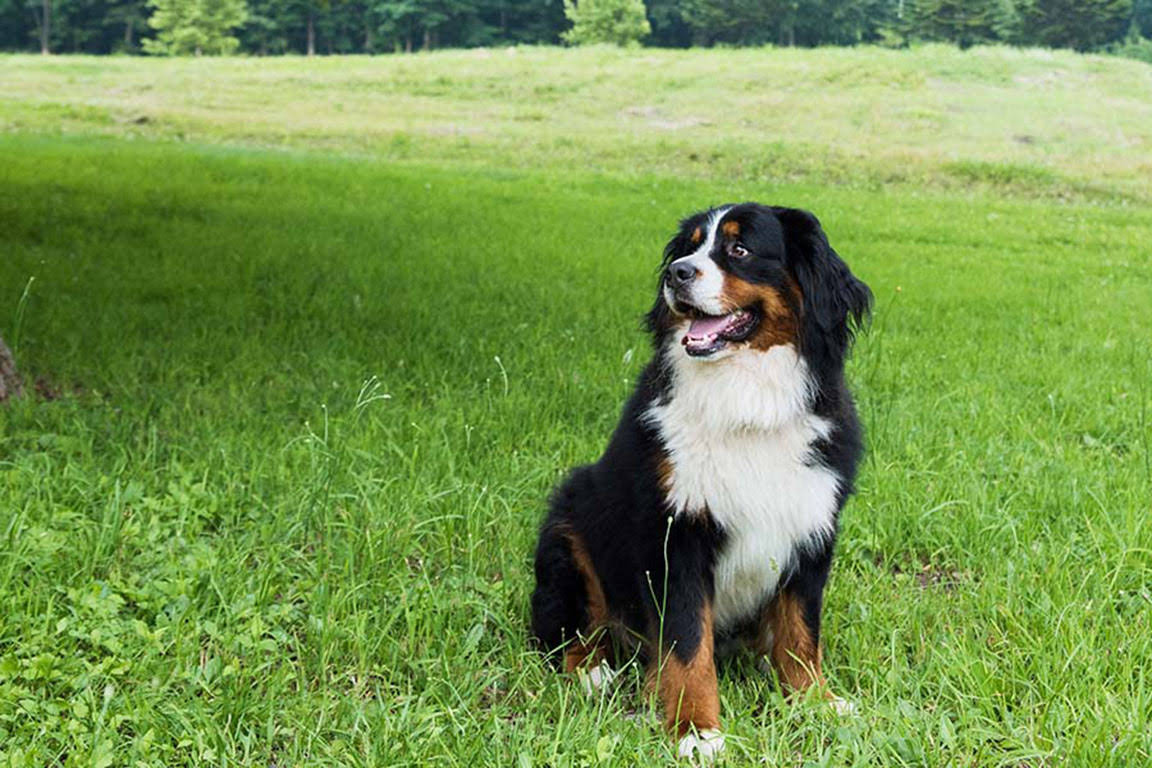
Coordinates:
708	334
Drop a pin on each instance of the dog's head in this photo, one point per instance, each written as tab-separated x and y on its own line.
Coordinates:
751	276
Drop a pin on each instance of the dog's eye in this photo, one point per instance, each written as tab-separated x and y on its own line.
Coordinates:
737	251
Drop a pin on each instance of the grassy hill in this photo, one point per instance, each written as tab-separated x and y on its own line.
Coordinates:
312	340
1036	120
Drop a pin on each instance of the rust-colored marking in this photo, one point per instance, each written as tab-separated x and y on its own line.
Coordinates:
586	652
590	648
794	289
731	228
794	652
664	471
778	323
697	236
688	691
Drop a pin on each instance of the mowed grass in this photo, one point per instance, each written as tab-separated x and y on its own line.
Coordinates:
307	410
300	409
1053	123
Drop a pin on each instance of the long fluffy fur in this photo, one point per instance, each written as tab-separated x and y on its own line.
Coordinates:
732	469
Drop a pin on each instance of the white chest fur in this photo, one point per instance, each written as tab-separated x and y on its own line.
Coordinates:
738	434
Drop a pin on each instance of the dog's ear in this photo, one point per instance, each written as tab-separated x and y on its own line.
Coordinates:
835	303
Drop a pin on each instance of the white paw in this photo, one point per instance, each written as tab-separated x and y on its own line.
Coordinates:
703	747
596	679
842	707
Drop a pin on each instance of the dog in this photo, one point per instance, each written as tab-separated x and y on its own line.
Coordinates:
711	517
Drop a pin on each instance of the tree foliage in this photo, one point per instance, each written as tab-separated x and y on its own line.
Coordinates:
1079	24
964	22
195	26
1142	18
272	27
619	22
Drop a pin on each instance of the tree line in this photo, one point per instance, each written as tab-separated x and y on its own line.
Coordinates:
270	27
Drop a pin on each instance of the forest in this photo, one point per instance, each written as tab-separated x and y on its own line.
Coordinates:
319	27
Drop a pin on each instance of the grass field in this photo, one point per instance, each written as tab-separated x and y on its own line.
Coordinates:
304	390
1053	123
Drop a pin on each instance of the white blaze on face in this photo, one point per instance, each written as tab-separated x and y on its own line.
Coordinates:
706	292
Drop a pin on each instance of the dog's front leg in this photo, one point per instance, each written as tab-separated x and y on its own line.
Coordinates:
790	638
684	675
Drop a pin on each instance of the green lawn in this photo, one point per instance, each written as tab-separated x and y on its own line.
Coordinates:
1050	122
302	406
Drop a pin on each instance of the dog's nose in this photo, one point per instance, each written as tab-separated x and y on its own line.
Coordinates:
680	273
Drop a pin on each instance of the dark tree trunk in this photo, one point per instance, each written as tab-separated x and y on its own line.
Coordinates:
311	33
10	382
787	36
427	39
45	27
128	34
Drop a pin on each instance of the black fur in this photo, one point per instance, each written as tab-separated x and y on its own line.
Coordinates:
617	506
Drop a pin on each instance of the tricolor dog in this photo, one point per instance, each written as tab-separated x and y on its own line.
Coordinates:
711	517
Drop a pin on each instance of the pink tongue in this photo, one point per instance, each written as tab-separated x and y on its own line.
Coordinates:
709	326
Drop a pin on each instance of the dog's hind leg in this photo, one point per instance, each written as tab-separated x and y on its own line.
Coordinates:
588	657
568	607
558	601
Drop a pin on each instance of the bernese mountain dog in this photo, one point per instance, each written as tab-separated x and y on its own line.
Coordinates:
709	521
